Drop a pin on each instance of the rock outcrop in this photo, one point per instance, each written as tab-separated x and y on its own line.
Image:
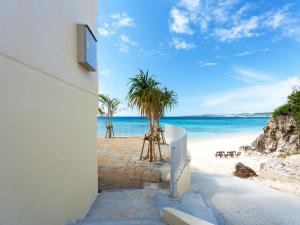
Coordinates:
243	171
280	135
279	145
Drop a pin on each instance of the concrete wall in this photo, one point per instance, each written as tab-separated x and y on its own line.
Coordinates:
183	182
176	217
180	176
48	163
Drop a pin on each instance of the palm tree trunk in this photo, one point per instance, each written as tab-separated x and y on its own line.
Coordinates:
157	130
111	124
151	139
105	124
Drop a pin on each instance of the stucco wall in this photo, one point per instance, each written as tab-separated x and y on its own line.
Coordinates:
183	180
48	163
180	177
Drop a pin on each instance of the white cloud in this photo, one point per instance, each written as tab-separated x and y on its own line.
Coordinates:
191	5
181	44
122	20
123	48
293	32
219	11
283	20
103	32
179	22
220	15
125	39
230	20
125	43
241	12
244	29
207	64
106	30
117	21
106	73
277	18
250	75
264	49
258	98
151	52
245	53
252	52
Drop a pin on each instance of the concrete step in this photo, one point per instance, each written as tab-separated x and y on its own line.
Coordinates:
190	203
125	207
121	222
144	207
174	216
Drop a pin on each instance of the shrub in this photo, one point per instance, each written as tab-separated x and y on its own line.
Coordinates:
283	110
292	107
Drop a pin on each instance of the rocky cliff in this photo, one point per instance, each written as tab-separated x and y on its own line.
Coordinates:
278	148
280	135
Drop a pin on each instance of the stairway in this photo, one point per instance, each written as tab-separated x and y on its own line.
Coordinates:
191	203
144	207
125	207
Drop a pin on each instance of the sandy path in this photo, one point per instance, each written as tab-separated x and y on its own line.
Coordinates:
240	201
246	202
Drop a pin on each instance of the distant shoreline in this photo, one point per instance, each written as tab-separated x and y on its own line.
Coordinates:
201	116
229	115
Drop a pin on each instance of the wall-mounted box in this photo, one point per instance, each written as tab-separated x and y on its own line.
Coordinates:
86	47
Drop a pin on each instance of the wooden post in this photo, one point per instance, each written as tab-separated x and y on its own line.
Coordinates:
155	139
143	148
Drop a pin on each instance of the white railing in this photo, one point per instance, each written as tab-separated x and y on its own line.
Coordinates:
180	160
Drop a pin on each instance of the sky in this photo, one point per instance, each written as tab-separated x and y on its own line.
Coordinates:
219	56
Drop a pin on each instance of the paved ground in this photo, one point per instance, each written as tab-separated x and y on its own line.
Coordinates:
238	201
124	207
143	207
245	202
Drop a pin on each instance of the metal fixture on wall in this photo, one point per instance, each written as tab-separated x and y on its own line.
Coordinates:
86	47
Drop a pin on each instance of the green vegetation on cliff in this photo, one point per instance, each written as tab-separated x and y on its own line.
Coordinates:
291	108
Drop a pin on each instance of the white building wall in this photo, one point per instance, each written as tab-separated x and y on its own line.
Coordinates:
48	163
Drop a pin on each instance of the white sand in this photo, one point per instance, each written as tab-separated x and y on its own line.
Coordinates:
203	158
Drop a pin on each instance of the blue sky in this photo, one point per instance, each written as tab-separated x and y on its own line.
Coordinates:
219	56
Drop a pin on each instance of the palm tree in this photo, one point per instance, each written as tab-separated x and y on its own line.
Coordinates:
143	95
102	114
168	99
111	106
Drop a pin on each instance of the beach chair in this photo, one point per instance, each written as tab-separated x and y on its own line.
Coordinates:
220	154
231	154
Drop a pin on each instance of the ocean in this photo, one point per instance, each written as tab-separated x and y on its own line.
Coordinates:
197	127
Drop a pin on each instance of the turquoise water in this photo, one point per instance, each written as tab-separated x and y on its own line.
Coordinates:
197	127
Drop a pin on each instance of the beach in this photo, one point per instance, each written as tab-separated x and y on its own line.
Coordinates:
203	153
206	135
284	173
233	200
123	153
